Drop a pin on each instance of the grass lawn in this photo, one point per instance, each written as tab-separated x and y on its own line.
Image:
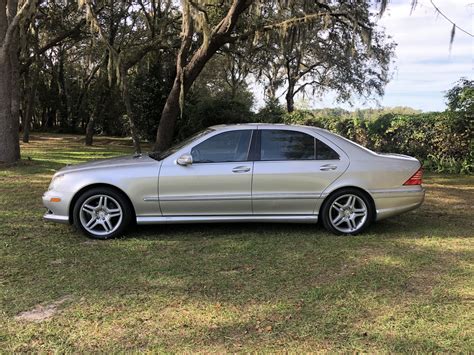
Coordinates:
406	285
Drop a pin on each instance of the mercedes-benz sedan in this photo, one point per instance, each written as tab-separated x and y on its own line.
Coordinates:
239	173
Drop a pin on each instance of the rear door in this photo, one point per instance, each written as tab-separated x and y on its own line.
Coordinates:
292	171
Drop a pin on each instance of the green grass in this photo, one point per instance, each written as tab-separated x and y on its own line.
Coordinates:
406	285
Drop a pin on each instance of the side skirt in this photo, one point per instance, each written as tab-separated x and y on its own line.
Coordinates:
228	219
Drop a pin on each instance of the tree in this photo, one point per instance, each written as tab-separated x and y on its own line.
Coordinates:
191	58
11	18
208	25
124	54
460	98
335	54
49	41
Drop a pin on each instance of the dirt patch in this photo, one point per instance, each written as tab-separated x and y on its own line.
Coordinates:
42	312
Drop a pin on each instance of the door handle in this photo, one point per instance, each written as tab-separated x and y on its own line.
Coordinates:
327	167
241	169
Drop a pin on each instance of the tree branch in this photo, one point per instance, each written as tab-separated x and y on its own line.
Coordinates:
13	26
54	42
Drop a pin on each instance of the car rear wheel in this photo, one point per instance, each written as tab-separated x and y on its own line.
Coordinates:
102	213
347	211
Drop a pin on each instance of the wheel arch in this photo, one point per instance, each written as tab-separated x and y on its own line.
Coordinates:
92	186
361	190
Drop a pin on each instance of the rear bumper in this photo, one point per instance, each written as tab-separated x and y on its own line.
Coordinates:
390	203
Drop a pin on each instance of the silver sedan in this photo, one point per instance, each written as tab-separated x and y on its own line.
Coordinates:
239	173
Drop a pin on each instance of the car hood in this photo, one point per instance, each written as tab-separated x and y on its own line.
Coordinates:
108	163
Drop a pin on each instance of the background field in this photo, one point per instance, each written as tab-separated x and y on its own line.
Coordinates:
406	285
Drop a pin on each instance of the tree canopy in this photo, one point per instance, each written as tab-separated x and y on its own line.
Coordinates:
144	67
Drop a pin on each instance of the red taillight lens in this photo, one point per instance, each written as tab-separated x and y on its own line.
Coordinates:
416	178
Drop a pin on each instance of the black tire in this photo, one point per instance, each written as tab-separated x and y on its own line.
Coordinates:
112	197
329	213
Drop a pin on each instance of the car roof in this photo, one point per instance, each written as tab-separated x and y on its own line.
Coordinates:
345	144
261	125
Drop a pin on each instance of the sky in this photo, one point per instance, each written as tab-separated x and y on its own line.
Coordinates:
424	68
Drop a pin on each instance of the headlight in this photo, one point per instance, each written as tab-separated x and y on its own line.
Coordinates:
54	182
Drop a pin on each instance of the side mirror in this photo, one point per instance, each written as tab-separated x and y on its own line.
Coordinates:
185	159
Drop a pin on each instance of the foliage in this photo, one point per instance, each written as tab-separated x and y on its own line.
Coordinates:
201	112
460	98
272	112
149	92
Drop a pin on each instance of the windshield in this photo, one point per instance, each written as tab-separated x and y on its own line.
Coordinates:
178	146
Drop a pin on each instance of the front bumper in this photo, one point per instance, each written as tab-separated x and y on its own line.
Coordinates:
57	211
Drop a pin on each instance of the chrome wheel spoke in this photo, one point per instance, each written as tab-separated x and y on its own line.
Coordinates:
100	204
352	224
92	223
351	201
339	221
107	225
89	209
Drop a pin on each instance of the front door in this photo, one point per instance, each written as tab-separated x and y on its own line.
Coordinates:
293	170
218	182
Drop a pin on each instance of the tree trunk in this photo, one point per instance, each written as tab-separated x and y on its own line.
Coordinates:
90	131
130	115
9	136
9	92
290	98
96	113
63	101
30	102
164	134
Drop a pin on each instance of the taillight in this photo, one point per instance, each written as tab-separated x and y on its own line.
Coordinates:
416	178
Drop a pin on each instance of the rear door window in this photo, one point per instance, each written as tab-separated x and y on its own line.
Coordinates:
286	145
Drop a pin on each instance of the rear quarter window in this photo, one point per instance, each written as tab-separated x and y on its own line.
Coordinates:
324	152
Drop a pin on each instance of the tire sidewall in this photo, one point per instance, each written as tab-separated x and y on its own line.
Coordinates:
124	204
325	211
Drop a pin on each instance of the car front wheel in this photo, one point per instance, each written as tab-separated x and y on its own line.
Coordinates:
347	211
102	213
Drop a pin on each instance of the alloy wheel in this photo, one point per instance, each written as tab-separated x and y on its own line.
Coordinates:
348	213
100	215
